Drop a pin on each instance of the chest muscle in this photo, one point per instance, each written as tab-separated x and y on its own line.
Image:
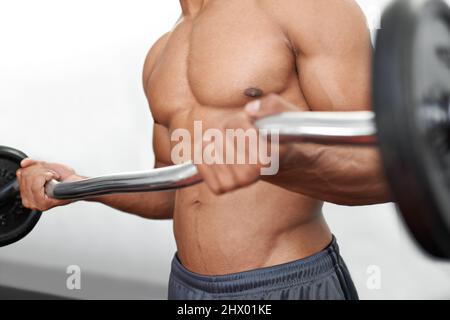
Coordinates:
221	59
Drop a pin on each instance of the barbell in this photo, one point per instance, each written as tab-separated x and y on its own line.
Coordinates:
410	124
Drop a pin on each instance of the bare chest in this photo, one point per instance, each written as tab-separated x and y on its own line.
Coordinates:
220	60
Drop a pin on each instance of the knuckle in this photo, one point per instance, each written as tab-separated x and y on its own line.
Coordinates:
217	189
27	174
25	203
30	205
24	173
228	185
248	176
242	180
36	187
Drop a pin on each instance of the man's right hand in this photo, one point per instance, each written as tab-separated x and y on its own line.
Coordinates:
32	178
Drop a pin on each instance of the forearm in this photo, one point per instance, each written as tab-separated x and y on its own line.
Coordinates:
156	205
337	174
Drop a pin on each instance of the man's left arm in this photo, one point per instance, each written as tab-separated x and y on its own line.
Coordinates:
331	44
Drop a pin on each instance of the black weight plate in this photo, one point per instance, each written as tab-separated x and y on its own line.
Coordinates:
15	220
411	89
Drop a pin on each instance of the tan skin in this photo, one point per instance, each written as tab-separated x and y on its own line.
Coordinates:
303	55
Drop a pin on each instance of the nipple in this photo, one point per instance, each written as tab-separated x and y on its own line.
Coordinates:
253	92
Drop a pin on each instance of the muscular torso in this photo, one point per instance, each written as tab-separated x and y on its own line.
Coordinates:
201	71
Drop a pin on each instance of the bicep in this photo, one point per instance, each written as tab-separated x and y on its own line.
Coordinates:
334	53
336	83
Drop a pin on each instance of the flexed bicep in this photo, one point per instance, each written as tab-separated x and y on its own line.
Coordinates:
331	42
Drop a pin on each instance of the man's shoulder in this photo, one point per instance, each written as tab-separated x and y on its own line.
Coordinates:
314	12
157	47
314	23
310	6
153	55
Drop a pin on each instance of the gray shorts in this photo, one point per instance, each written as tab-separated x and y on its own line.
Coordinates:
323	276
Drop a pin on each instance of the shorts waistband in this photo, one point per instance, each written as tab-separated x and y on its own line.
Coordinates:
288	274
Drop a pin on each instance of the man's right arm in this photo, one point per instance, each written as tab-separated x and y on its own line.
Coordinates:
158	205
33	176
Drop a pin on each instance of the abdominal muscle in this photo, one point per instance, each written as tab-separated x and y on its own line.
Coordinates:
260	226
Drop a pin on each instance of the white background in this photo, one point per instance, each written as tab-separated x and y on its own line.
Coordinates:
70	92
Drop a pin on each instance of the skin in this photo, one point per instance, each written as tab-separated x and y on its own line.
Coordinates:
229	63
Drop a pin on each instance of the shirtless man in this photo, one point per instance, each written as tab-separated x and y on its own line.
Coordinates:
227	63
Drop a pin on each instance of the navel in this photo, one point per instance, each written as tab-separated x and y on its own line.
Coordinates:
253	92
